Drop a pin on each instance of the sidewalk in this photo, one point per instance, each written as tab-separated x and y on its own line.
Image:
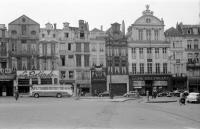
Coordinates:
107	99
161	99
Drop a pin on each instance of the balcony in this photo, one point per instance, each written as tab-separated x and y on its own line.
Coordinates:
153	73
24	53
193	65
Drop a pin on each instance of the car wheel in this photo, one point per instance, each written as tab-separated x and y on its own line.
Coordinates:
36	95
59	95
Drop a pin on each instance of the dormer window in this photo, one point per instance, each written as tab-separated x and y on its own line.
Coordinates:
23	19
148	20
33	32
13	32
82	35
43	35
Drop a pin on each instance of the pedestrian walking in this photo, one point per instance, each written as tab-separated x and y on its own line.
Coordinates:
182	99
16	95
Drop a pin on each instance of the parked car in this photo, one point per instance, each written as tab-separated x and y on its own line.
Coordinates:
193	97
105	93
161	94
131	94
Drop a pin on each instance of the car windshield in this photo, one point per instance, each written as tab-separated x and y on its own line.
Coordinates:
193	94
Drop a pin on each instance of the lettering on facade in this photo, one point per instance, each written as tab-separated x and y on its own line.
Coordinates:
5	71
150	78
37	74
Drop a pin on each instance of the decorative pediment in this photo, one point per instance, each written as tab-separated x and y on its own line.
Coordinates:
23	20
148	20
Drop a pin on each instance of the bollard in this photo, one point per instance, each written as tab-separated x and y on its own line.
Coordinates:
147	95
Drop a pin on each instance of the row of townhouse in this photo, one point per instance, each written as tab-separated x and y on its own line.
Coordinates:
145	58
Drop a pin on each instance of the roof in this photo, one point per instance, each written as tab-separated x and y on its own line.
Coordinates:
31	21
96	30
172	32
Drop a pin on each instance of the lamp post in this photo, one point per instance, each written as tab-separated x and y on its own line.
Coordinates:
110	84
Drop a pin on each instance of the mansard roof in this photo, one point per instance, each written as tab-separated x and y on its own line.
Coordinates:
172	32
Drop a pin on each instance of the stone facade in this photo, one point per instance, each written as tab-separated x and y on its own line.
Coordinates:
116	61
23	48
148	53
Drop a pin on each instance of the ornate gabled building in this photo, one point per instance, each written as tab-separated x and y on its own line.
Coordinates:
67	64
191	39
49	47
82	58
148	54
23	48
98	61
117	61
7	75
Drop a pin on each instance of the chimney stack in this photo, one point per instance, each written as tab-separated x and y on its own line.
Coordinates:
101	28
54	26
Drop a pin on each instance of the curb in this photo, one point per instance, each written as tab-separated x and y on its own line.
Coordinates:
162	101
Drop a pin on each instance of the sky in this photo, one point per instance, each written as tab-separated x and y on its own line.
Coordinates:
99	12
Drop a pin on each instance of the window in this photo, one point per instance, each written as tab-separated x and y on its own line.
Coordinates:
116	52
69	46
66	35
148	34
70	56
62	73
33	32
164	67
140	34
78	60
142	68
54	35
148	20
141	53
148	50
78	47
23	29
149	67
3	50
86	59
196	44
157	68
133	50
134	68
13	32
71	74
62	57
157	52
82	35
123	52
156	34
164	50
189	42
43	35
86	47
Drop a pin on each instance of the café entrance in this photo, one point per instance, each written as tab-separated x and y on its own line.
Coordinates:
6	88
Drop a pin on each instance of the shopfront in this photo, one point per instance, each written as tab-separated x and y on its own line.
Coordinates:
144	83
98	80
194	84
25	79
7	78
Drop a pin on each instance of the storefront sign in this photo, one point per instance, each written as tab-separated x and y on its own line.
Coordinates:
138	83
7	77
5	71
160	83
150	78
37	73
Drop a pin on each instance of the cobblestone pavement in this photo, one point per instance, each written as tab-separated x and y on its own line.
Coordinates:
70	113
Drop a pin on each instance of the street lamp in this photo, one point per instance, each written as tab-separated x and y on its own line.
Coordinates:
110	65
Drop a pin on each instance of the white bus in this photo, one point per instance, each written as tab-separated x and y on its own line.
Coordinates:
51	90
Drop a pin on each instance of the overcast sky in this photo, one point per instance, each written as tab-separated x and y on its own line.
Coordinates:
99	12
